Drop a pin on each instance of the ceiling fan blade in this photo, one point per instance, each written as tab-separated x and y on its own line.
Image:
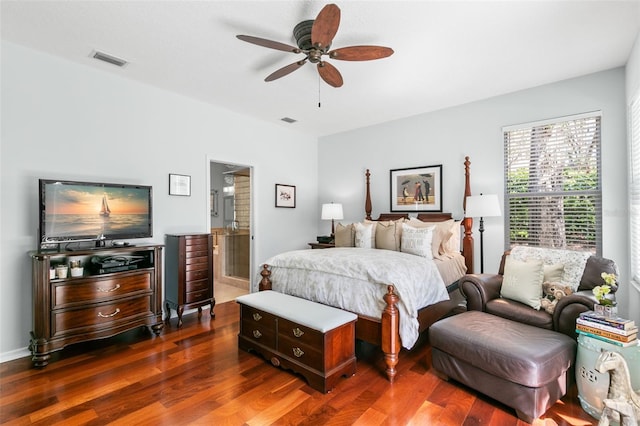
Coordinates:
330	74
268	43
361	53
285	70
325	26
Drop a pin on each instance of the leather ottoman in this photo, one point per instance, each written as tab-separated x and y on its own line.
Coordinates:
526	368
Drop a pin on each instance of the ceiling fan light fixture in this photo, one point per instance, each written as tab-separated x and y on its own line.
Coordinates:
110	59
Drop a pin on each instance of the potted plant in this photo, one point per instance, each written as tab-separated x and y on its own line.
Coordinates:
606	299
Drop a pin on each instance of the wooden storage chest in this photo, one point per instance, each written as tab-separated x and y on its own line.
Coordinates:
312	339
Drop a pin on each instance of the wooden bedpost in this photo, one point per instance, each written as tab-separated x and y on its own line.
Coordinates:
391	332
467	222
265	282
367	201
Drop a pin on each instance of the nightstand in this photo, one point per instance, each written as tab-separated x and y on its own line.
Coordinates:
321	245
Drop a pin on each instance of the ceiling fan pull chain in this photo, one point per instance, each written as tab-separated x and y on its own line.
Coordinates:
319	89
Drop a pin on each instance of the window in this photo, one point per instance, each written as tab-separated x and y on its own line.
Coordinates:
552	182
634	188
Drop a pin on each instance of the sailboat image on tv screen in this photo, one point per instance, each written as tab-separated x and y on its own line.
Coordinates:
104	210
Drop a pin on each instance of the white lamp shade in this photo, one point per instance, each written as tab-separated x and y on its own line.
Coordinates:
332	211
482	206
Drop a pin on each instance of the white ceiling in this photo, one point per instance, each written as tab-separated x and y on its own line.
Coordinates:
446	52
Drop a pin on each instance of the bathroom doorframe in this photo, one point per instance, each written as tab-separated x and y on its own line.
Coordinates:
211	160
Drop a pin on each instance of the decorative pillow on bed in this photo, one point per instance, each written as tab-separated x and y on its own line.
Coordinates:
453	244
365	236
387	237
344	235
522	281
417	240
441	233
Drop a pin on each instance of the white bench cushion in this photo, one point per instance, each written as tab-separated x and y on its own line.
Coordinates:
304	312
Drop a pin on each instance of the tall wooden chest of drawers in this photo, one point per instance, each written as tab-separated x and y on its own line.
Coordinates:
188	273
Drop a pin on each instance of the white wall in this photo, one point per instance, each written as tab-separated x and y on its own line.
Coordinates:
69	121
447	136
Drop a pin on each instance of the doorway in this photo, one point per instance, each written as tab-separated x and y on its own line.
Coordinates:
230	211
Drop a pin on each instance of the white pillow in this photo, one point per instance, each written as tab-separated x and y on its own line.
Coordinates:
417	241
453	244
522	281
553	273
441	233
364	236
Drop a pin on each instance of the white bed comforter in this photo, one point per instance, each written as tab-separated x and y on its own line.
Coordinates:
356	280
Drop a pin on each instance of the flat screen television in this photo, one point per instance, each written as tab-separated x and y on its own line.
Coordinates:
89	211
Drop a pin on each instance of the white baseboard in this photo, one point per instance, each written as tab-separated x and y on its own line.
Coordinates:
15	354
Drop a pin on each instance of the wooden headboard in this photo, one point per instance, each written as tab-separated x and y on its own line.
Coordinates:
467	222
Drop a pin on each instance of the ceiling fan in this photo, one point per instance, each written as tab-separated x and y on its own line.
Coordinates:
314	39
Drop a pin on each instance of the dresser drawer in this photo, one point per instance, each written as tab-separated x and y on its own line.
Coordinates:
197	263
99	316
96	290
197	296
199	285
300	333
306	354
201	251
257	316
197	275
196	243
262	333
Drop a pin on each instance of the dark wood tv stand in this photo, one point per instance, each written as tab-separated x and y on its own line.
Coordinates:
110	297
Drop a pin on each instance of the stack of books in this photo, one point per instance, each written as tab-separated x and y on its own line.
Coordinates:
614	330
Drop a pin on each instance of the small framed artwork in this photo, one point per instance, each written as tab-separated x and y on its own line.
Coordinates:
180	185
285	196
416	189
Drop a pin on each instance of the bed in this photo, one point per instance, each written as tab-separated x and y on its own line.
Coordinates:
341	277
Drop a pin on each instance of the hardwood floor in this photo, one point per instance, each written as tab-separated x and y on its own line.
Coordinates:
196	375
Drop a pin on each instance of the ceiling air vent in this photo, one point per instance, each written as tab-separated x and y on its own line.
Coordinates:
109	58
288	120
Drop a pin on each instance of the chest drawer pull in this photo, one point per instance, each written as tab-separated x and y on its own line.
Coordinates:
257	334
116	312
108	290
257	316
298	352
297	332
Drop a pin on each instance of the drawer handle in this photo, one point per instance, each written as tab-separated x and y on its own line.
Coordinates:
257	334
257	316
117	311
297	332
108	290
298	352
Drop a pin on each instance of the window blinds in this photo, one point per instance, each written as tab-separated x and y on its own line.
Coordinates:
634	188
552	183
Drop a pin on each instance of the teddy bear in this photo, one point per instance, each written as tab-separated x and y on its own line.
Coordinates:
551	293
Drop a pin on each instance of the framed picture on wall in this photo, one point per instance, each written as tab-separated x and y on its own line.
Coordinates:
285	196
179	185
416	189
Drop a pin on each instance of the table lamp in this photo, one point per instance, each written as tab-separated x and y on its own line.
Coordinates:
332	211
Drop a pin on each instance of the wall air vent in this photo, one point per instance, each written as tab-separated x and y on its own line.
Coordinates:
288	120
108	58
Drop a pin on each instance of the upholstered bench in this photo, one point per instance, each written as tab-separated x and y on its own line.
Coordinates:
314	340
526	368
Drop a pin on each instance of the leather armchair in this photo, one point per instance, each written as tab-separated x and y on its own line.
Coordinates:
482	292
